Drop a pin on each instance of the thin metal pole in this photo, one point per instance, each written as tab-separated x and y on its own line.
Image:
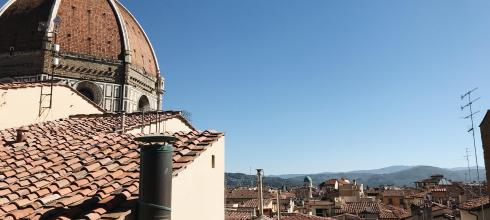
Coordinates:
143	121
468	162
476	155
53	66
278	204
149	124
470	103
157	129
123	122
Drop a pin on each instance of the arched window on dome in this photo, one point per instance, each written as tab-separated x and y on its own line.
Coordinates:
143	103
90	90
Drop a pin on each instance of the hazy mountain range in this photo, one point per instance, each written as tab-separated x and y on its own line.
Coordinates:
393	175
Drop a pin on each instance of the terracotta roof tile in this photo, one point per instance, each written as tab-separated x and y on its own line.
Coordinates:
475	203
79	168
298	216
238	215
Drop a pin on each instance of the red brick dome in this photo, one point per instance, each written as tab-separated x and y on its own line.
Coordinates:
90	29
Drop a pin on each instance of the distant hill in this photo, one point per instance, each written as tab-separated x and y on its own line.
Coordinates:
395	175
385	170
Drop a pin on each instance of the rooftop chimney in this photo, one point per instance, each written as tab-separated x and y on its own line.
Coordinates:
155	188
261	195
21	134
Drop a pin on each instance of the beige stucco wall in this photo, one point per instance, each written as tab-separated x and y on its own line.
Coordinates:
171	125
20	106
466	216
198	191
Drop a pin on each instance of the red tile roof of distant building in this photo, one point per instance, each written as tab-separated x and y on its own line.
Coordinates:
474	204
246	194
253	203
393	193
298	216
238	215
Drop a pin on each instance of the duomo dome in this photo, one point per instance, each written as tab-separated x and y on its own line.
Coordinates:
96	46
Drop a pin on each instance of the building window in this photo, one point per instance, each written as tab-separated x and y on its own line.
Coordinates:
213	162
319	212
108	91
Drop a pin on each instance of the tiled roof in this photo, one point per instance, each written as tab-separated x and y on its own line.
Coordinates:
330	182
112	121
320	203
246	194
298	216
347	216
287	195
78	168
21	85
358	207
392	212
393	193
238	215
415	194
344	181
438	189
475	203
384	211
254	203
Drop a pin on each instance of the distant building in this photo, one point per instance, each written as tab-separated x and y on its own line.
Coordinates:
350	191
240	195
485	139
371	211
394	197
321	207
341	190
434	180
472	209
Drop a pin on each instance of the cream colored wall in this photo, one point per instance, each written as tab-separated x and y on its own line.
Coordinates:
20	107
171	125
466	216
198	190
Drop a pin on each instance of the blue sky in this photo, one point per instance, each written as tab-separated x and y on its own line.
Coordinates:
305	86
310	86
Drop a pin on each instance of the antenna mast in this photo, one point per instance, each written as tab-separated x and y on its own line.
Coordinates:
467	156
472	130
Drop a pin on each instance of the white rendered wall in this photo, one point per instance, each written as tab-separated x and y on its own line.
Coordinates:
172	125
20	106
198	191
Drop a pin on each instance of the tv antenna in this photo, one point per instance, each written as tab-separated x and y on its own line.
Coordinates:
467	156
469	106
187	115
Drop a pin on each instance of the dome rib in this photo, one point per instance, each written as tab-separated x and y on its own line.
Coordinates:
157	66
120	21
6	6
52	16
